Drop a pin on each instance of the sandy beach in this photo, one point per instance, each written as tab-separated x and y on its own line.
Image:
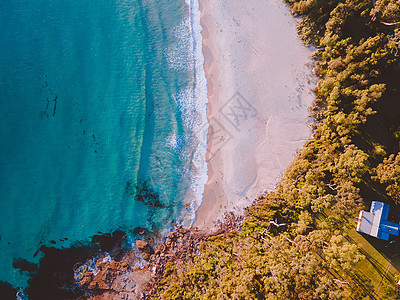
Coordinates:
259	80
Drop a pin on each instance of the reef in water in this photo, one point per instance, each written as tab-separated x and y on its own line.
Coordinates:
54	278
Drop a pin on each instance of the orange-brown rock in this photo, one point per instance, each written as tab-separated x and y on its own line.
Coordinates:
145	255
171	234
145	248
140	244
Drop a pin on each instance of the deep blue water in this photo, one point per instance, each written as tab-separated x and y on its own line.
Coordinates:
100	103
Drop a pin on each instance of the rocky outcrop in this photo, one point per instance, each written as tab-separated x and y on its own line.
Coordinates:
124	279
145	247
117	279
108	279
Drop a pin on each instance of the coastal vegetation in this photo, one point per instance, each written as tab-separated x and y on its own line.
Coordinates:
299	242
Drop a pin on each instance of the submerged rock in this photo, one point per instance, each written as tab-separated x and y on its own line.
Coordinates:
140	230
7	291
24	266
55	277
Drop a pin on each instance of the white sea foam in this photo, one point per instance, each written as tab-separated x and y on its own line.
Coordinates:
180	55
172	142
187	55
91	266
21	295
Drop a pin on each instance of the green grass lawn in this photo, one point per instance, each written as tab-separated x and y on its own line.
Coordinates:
377	270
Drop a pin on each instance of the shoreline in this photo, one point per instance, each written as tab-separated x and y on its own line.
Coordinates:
240	163
257	120
247	151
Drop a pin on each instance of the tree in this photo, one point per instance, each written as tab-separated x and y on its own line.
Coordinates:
342	255
388	173
387	10
352	164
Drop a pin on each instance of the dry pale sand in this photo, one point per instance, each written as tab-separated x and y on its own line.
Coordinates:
258	79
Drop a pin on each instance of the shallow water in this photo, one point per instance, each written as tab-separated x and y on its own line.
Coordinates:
101	103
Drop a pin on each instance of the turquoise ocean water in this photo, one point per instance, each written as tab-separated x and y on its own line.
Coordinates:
102	120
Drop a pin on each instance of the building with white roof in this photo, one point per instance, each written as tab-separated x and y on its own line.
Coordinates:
375	223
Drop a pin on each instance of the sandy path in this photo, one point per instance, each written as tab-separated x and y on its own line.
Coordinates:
259	94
